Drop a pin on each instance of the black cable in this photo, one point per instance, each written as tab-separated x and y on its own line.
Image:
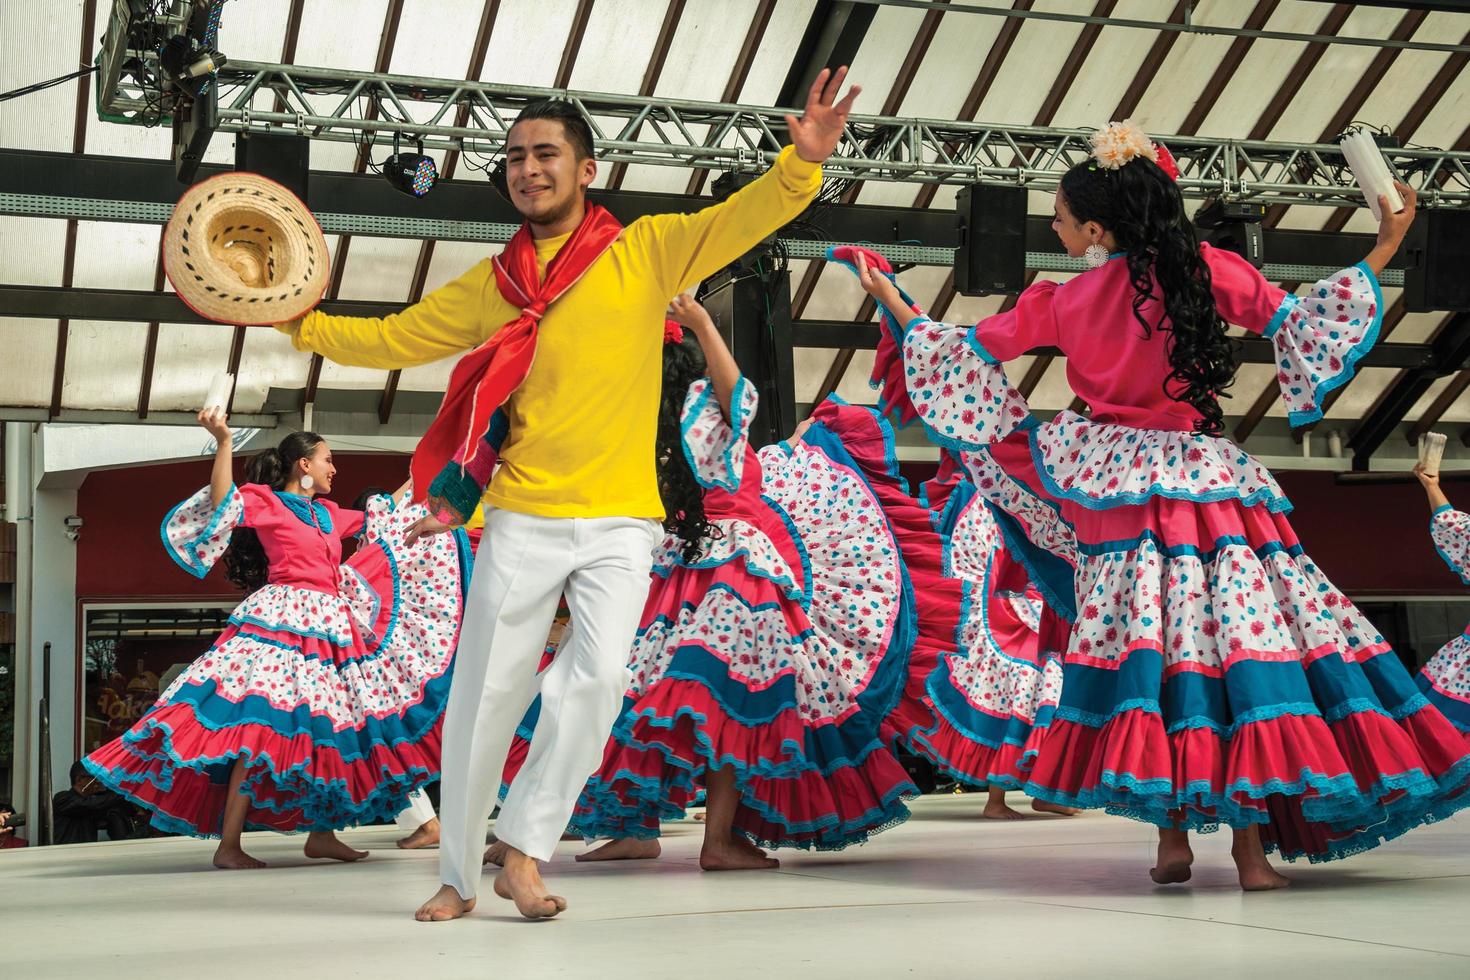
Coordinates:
49	83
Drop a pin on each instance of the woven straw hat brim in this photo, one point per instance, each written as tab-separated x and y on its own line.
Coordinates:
241	248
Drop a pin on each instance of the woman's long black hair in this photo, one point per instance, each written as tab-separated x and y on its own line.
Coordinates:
682	496
1141	205
245	562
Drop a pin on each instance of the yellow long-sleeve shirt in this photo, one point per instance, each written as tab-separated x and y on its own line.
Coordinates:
583	424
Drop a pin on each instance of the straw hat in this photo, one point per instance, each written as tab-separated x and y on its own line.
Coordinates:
240	248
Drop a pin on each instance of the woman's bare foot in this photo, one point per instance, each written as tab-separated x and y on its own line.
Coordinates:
426	836
997	810
748	847
520	882
1175	857
1042	806
235	859
326	845
731	856
1256	873
495	854
699	816
623	849
445	905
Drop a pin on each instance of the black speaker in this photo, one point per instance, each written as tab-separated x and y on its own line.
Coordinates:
284	159
1437	248
991	257
193	126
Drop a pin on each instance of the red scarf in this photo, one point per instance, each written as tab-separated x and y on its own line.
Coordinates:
484	378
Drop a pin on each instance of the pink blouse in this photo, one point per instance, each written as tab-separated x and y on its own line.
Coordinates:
1111	364
302	536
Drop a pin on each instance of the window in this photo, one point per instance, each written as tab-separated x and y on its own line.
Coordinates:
131	653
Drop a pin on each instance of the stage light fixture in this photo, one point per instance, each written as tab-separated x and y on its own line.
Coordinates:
189	64
412	173
1234	226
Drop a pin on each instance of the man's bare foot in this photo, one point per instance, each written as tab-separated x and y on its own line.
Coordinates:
426	836
699	816
1256	873
1175	857
445	905
1042	806
623	849
326	845
520	882
235	859
731	856
495	854
997	810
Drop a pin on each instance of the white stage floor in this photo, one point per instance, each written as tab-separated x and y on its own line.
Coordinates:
947	894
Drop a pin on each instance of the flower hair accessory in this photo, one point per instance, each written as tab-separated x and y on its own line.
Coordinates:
1118	143
673	332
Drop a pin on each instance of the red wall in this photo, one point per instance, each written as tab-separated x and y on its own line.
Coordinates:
1368	539
120	554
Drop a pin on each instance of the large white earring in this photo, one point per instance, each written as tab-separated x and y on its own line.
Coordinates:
307	482
1095	255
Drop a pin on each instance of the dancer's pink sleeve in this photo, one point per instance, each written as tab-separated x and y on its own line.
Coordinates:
1242	294
1031	323
346	522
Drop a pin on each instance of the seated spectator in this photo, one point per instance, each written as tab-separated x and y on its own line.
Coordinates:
7	828
89	807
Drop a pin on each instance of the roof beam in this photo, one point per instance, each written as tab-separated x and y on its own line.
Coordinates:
1439	406
923	38
478	51
1226	69
69	253
150	346
739	73
984	79
1151	64
833	35
386	42
574	43
1305	63
134	306
1449	353
136	190
1339	219
655	68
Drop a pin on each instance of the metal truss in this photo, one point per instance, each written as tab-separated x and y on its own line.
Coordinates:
331	104
431	229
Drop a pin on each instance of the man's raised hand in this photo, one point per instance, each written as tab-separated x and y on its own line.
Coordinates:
816	132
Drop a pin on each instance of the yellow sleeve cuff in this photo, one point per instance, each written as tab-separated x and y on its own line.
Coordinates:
792	165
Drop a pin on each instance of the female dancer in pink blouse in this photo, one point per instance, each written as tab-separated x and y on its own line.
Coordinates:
320	705
1214	675
1445	680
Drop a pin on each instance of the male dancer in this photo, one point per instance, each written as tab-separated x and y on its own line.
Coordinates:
574	506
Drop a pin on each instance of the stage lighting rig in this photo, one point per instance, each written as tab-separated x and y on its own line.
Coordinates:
1234	226
189	62
190	65
412	173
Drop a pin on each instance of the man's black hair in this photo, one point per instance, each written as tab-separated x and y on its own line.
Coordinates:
78	771
573	123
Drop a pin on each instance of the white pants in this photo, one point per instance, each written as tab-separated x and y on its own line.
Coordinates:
525	565
418	812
